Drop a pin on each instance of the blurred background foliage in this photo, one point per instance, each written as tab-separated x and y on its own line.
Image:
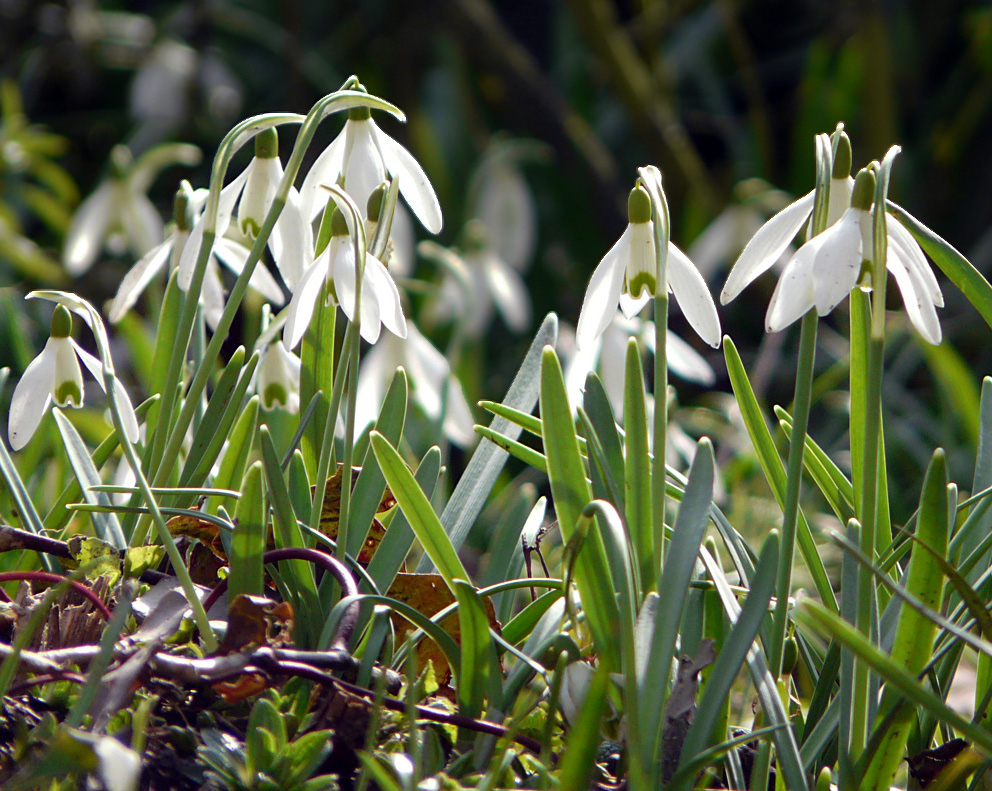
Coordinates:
715	92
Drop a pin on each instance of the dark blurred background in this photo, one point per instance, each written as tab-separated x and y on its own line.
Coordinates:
712	91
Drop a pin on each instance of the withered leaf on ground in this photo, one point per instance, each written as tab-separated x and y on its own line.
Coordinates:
428	594
205	532
255	621
330	514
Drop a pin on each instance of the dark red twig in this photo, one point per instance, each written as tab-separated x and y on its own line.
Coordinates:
47	576
37	681
331	564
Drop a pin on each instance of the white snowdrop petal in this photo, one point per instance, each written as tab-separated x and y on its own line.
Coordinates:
141	222
840	198
912	254
189	257
693	296
793	295
686	362
235	255
228	197
342	257
415	187
766	246
138	278
459	424
382	286
260	188
837	260
301	305
508	292
363	166
506	208
95	367
602	293
291	241
325	170
89	227
212	295
31	397
119	766
919	304
631	306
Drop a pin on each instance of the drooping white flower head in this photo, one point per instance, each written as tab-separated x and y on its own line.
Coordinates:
278	383
55	375
360	158
226	250
432	384
825	269
335	265
775	236
628	274
119	214
291	240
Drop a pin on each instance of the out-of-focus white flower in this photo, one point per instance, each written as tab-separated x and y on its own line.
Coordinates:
291	240
228	251
119	214
361	157
497	246
628	274
775	236
723	240
278	382
432	385
55	374
335	265
825	269
607	357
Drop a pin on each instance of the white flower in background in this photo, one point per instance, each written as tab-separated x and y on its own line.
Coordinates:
55	374
229	251
825	269
723	240
432	385
291	240
497	246
335	266
628	273
278	384
119	214
361	157
774	237
607	356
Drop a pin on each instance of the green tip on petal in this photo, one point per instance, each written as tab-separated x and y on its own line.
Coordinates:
359	114
339	225
275	395
864	190
638	206
842	161
67	393
376	198
267	144
61	322
121	160
641	281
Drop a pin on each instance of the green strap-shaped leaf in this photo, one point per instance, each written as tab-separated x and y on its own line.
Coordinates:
637	471
248	537
478	656
572	493
771	465
915	633
958	269
106	524
419	512
482	471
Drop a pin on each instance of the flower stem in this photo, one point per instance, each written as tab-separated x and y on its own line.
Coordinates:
658	474
793	487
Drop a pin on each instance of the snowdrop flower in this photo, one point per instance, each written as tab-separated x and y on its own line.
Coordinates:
361	157
607	356
825	269
291	240
497	245
278	382
628	274
119	214
775	236
431	384
229	251
55	374
335	266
